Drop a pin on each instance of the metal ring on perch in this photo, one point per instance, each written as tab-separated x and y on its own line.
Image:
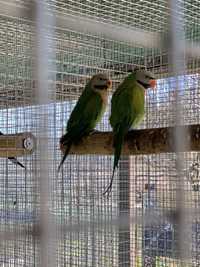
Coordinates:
17	145
28	143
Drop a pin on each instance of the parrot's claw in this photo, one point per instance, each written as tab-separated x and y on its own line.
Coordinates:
94	131
64	140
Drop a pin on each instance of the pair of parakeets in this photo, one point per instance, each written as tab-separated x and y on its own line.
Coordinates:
127	110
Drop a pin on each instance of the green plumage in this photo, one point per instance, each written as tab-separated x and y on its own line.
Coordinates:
86	114
84	117
127	110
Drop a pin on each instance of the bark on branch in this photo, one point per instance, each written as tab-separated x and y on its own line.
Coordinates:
137	142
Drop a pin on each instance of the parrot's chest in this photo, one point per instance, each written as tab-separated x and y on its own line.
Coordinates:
138	106
138	102
104	97
101	104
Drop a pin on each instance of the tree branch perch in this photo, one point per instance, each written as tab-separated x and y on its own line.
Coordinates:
137	142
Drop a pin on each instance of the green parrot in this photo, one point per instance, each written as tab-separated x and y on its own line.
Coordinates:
127	110
87	112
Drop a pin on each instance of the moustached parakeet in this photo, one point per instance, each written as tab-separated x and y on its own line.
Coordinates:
127	109
87	112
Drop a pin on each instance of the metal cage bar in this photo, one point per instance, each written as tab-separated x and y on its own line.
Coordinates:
138	225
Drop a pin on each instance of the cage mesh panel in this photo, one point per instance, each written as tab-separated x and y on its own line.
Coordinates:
90	239
145	15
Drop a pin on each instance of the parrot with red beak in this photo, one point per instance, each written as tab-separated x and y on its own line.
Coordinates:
128	110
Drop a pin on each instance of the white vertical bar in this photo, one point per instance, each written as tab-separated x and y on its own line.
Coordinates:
177	48
44	26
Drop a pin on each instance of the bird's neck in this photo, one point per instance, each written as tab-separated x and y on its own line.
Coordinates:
140	86
104	95
131	77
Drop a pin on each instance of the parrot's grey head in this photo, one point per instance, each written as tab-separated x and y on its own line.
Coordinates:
145	78
100	82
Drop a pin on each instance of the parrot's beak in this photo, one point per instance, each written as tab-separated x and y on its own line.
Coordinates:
103	85
152	83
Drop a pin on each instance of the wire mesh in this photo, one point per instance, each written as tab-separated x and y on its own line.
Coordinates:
137	225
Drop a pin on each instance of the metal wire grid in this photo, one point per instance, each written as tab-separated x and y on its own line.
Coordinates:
159	240
140	14
77	57
16	63
145	15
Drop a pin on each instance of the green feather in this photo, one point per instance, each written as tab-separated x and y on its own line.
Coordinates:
127	110
86	114
83	119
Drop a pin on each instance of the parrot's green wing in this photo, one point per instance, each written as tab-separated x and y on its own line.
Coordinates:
84	117
127	110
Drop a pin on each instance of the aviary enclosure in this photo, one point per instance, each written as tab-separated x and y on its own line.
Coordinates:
48	51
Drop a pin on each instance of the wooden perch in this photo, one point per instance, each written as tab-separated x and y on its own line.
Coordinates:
137	142
16	145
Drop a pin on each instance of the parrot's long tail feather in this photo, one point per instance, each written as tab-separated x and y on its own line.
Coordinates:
109	188
118	142
65	155
16	162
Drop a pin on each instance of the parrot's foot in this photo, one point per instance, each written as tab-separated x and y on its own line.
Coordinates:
133	130
64	140
93	131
